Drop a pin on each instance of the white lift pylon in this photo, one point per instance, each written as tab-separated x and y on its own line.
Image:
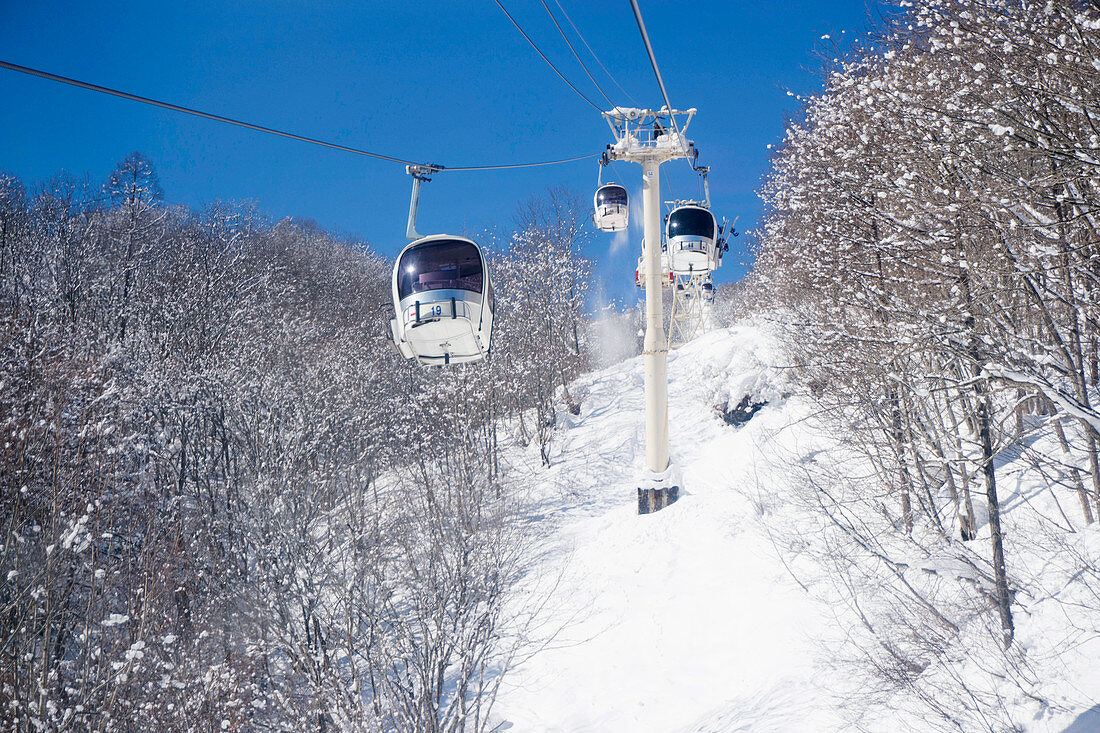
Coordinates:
641	137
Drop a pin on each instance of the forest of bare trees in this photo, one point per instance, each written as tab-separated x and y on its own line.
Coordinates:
931	234
228	504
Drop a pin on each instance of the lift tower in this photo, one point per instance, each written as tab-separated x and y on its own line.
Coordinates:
641	138
687	319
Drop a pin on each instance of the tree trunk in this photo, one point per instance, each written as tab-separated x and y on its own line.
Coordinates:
982	410
903	467
968	526
1082	493
1003	598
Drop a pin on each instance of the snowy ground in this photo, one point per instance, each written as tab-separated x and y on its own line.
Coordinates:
681	620
690	619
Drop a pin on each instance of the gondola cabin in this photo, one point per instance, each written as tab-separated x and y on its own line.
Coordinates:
444	301
639	271
692	235
708	292
611	208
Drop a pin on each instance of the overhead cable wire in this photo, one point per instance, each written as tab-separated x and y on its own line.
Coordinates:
195	112
544	58
575	54
260	128
519	165
665	180
660	81
618	173
581	36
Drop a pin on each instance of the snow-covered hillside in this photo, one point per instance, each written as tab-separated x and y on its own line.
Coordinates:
700	617
683	619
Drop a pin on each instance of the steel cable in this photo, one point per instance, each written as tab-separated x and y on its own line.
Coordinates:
581	36
269	130
544	58
575	54
660	81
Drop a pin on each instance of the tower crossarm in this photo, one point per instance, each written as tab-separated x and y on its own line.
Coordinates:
639	136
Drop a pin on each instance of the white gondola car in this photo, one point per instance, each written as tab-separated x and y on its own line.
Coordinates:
611	208
708	292
639	271
444	301
692	235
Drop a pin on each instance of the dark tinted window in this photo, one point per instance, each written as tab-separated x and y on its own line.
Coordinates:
611	195
691	222
439	265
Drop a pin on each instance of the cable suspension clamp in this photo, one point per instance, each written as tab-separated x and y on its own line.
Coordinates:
423	171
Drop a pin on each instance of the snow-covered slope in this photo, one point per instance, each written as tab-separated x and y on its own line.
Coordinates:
691	619
681	620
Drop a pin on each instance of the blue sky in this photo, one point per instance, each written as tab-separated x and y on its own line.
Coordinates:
446	82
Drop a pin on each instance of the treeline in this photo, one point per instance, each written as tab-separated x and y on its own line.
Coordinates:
196	408
931	231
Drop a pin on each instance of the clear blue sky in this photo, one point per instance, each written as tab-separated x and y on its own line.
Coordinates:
440	81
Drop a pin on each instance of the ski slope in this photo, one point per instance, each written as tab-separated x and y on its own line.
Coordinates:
682	620
691	619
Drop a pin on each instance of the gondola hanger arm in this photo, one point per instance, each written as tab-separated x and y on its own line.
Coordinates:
420	173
